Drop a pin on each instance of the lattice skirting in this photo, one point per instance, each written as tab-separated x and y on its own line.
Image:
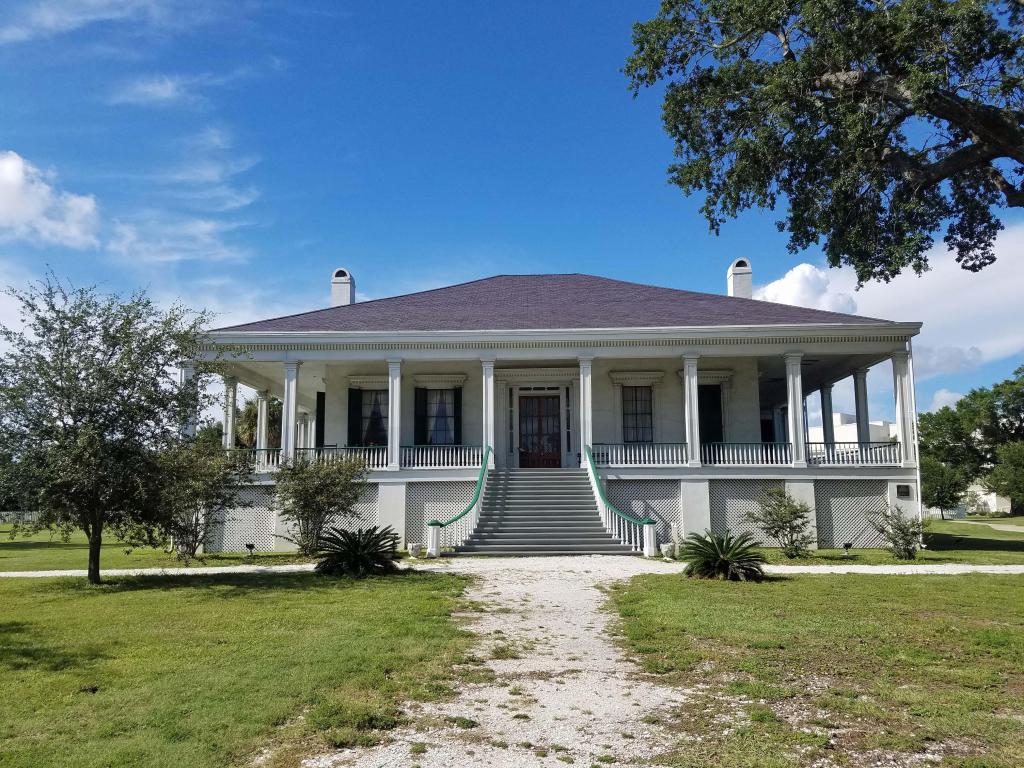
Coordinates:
251	522
656	499
433	501
843	509
731	500
254	521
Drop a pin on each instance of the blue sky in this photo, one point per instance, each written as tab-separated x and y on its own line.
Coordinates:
233	153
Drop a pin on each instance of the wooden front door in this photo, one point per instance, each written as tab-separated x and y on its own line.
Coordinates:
540	432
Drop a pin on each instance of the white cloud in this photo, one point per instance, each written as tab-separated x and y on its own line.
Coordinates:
807	286
160	238
32	209
39	19
969	319
944	397
155	90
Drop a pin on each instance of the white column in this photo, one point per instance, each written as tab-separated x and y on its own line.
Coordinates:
795	408
262	420
302	438
828	427
394	414
905	416
487	380
230	402
691	409
186	373
290	410
860	398
586	407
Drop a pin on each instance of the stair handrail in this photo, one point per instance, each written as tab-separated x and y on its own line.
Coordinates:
437	524
604	499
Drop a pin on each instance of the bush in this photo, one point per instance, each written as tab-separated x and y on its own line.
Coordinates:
788	521
902	534
357	553
727	557
309	494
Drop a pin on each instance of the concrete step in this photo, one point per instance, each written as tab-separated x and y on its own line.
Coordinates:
554	549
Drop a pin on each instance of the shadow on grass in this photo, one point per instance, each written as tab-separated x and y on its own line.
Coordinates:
944	542
231	586
22	647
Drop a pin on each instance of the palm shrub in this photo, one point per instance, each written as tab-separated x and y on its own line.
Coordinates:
722	556
366	552
902	534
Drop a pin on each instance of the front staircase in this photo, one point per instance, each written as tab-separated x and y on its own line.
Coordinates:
540	512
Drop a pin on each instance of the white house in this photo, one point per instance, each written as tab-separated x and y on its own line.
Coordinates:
560	412
845	430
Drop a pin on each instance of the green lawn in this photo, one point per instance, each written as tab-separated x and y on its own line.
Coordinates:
947	542
47	551
183	672
854	670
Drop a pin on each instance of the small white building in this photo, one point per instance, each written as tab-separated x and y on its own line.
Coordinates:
560	412
845	429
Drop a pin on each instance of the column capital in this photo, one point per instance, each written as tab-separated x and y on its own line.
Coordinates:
793	357
487	364
826	388
862	371
585	359
691	355
488	359
900	354
262	394
292	365
230	380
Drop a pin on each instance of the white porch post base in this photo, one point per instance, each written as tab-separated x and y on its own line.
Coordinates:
695	498
650	540
433	540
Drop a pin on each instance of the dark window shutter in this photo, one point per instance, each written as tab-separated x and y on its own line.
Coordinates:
420	417
355	417
321	414
457	403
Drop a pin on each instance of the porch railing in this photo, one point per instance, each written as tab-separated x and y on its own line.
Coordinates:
374	456
441	456
640	454
263	459
854	454
626	528
746	453
455	531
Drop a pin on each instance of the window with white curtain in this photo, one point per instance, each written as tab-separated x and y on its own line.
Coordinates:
440	417
375	417
637	415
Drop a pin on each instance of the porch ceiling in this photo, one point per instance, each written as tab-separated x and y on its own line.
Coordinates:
817	371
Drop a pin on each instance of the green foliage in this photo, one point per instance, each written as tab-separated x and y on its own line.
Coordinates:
788	521
1007	476
942	486
902	534
728	557
199	484
246	424
358	553
89	395
309	494
874	124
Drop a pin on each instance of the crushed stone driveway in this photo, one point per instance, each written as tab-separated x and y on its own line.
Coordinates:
562	691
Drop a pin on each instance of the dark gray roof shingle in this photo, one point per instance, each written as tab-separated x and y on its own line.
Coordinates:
531	302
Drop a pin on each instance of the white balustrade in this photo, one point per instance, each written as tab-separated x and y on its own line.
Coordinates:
374	456
746	453
854	454
640	454
441	456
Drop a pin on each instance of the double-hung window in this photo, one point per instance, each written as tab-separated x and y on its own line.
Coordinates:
374	429
440	417
637	415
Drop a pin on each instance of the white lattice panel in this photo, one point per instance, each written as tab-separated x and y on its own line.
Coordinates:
365	509
656	499
433	501
731	500
251	522
843	510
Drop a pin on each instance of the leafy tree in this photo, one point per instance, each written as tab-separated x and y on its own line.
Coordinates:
210	434
200	483
874	123
946	437
89	396
788	521
1007	476
309	495
246	424
942	487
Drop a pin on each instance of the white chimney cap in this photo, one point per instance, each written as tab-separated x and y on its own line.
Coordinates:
740	279
343	288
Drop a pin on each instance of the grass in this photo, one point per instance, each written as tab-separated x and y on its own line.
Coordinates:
848	670
196	671
946	541
45	551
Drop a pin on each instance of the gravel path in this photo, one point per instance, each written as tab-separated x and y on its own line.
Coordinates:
997	526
